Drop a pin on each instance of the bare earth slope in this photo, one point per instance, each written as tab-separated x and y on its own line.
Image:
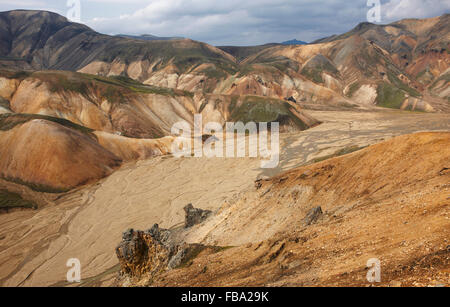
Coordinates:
49	156
389	201
87	223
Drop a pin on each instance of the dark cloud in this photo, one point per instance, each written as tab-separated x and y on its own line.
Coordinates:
239	22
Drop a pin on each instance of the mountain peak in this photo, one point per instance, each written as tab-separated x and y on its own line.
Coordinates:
294	42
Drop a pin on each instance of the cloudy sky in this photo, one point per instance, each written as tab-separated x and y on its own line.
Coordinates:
233	22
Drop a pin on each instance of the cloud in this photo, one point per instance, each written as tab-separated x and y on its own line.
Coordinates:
235	22
399	9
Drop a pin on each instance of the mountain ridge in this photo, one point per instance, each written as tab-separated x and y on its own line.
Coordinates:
294	42
397	65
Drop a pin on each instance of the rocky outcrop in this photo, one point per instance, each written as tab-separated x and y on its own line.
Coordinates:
312	216
144	252
149	253
195	216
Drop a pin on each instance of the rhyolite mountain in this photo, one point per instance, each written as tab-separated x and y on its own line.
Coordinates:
400	65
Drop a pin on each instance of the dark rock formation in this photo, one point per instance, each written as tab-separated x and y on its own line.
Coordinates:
291	99
312	216
195	216
157	250
142	252
148	253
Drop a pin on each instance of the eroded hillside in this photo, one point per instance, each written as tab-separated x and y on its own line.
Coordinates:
120	105
320	224
87	222
85	126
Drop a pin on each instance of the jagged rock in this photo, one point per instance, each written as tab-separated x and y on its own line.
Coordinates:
177	259
186	252
291	99
195	216
142	252
258	184
312	216
147	253
444	171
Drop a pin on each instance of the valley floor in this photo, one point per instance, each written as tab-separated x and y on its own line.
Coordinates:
88	223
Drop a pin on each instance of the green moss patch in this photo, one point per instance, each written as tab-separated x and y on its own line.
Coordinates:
399	84
352	89
37	187
313	74
9	121
116	90
10	201
388	96
316	66
341	152
260	109
14	74
4	103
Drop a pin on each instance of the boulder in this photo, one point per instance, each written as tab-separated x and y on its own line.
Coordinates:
312	216
143	252
148	253
195	216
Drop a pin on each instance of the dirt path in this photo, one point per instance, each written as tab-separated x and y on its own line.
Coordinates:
88	224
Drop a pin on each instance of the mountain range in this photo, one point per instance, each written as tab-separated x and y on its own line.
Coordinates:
86	152
401	65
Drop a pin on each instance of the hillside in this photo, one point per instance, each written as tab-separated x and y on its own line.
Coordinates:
122	106
36	243
42	40
386	201
35	150
149	37
106	120
241	53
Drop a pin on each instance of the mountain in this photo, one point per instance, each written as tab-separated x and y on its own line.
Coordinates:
402	65
41	40
241	53
294	42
